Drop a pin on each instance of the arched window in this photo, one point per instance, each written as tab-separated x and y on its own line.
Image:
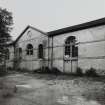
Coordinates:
29	49
71	49
20	51
40	51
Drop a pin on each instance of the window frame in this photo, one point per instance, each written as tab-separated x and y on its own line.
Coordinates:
71	48
40	51
29	49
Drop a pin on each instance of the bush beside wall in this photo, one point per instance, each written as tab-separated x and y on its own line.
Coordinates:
79	72
54	70
2	71
91	72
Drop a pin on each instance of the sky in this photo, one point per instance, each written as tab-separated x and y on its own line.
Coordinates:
48	15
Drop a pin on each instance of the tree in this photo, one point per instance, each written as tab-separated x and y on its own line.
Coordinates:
6	22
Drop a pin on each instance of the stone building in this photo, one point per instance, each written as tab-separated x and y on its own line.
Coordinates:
81	46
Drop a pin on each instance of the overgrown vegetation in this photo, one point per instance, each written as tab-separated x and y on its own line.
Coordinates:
10	69
47	70
2	71
18	69
91	72
79	72
6	22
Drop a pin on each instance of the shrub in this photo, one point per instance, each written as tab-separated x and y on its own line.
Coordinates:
91	72
37	70
2	71
79	72
42	70
10	68
55	70
47	70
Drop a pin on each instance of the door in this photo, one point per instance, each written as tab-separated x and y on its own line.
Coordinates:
70	66
70	55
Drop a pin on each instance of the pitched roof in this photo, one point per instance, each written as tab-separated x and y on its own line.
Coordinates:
26	30
82	26
86	25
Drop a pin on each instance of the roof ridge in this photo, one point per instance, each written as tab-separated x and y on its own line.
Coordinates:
77	27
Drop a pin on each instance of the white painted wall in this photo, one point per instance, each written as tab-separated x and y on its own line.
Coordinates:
95	49
32	62
85	50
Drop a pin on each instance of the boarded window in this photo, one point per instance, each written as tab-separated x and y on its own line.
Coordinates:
71	49
29	49
40	51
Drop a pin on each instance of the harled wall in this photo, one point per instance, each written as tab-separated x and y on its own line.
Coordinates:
91	49
32	62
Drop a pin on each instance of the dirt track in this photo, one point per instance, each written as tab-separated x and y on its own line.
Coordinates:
43	89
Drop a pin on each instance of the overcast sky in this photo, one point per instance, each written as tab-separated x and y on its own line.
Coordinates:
50	15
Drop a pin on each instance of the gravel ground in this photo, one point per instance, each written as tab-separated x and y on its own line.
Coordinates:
44	89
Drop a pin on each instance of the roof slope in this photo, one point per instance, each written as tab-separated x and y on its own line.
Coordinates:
78	27
82	26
